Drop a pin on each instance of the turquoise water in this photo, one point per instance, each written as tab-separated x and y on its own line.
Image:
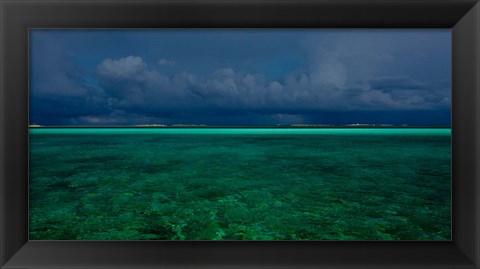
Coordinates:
240	184
245	131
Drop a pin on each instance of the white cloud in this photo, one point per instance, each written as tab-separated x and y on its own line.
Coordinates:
325	85
130	67
165	62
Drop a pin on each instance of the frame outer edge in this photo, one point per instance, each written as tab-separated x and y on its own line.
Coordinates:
476	255
2	147
13	209
466	71
476	62
476	65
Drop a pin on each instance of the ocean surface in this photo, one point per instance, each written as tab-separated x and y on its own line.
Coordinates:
240	184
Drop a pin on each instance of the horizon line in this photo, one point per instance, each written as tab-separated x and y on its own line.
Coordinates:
242	126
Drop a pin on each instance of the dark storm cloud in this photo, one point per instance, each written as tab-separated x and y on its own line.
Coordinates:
391	83
64	95
132	86
342	74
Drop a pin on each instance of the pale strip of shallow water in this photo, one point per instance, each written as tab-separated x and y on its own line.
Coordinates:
245	131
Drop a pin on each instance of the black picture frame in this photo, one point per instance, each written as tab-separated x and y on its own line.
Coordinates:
462	16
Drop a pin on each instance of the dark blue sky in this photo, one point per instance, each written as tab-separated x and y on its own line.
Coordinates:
240	76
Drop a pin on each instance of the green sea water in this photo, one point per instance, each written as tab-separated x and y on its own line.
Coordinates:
240	184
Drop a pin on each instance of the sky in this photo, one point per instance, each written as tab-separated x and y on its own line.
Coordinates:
240	77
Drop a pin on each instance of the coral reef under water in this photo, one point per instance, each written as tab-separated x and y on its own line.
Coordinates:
166	185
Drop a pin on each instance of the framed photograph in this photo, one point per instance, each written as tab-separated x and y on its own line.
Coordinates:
240	134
